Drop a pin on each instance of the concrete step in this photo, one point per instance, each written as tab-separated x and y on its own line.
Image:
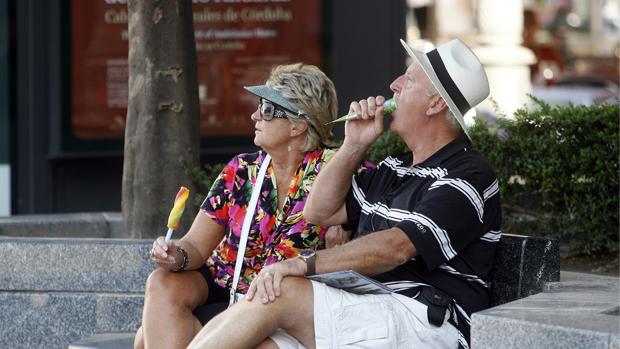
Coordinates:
49	320
106	341
74	265
83	225
55	291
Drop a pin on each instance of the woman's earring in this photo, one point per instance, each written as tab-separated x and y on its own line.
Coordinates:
289	148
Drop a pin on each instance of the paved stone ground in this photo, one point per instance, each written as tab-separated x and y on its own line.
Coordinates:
603	264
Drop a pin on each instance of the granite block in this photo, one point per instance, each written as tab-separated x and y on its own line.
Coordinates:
578	312
45	320
492	333
61	264
105	341
614	341
506	273
119	312
522	265
541	263
56	319
116	225
85	225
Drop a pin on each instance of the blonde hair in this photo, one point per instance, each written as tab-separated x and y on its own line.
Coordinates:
312	93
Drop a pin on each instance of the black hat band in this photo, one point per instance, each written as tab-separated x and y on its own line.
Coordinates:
446	81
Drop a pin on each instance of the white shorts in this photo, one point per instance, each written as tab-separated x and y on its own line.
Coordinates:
347	320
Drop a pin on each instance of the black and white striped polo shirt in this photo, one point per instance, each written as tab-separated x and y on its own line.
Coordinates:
449	206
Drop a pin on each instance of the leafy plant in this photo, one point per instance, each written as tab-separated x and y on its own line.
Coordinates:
202	178
558	172
557	167
388	143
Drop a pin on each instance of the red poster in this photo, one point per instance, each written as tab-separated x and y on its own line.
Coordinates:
237	42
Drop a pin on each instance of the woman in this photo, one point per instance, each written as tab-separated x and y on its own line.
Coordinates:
294	106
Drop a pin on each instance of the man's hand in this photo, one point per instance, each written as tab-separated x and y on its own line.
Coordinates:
336	236
266	285
362	132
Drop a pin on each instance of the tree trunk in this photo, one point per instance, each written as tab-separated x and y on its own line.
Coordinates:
163	122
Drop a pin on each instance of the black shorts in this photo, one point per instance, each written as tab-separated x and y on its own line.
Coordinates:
217	300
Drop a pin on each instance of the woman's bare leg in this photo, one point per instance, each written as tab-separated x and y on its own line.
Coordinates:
267	344
252	322
167	318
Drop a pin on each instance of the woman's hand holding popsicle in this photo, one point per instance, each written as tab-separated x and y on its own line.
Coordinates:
164	251
165	254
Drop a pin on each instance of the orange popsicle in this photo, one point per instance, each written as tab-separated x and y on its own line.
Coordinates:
177	210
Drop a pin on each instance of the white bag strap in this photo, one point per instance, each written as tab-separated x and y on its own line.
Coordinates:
247	222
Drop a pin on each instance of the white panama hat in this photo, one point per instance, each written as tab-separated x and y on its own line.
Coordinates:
456	73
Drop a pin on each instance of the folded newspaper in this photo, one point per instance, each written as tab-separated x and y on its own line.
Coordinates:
351	281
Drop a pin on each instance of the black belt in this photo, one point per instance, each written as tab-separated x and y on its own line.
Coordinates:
437	303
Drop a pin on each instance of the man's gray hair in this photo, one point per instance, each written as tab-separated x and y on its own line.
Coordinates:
431	92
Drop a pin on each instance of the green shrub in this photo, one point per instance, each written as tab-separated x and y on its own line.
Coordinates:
558	172
557	168
202	178
388	143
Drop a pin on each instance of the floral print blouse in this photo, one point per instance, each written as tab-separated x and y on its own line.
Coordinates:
275	234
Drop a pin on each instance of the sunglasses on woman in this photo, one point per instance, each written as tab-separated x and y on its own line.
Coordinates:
269	110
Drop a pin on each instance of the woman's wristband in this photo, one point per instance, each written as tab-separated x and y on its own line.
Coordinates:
185	260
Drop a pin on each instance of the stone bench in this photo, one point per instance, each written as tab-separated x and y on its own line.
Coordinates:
558	318
522	267
581	311
76	280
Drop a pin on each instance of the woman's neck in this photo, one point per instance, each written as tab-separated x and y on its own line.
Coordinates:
287	156
285	162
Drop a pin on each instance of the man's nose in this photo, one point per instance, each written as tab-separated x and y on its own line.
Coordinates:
396	84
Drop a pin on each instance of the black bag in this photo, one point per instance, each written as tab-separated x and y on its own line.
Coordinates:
437	303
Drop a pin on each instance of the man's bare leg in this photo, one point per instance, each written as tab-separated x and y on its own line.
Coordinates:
247	324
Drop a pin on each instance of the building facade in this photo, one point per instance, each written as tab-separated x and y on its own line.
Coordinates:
54	159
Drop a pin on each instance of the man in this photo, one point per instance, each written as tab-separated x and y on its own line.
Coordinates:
426	224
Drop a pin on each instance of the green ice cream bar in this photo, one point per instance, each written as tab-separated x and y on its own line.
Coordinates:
388	107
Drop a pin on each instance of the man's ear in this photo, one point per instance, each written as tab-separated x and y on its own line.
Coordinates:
298	127
437	105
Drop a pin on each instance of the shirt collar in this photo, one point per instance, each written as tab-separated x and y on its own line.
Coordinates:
460	143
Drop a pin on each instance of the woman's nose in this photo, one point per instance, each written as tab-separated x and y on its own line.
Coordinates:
256	115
